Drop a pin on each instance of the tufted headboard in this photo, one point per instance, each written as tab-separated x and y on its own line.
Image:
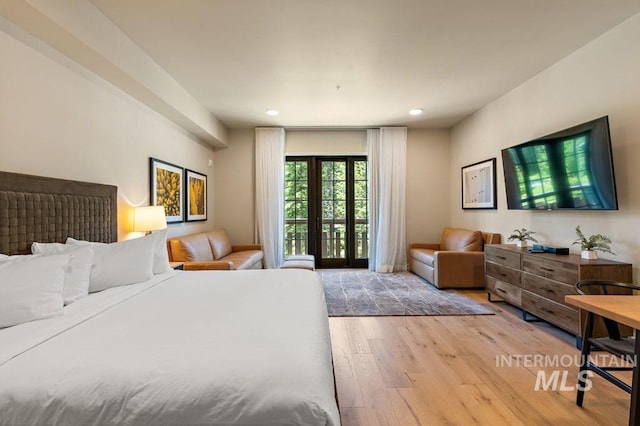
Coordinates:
35	208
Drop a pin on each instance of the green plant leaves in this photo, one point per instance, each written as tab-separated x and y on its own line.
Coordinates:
595	242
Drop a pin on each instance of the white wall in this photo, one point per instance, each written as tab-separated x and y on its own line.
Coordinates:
428	195
58	120
602	78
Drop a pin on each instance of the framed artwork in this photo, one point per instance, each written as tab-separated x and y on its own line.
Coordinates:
479	185
196	191
166	189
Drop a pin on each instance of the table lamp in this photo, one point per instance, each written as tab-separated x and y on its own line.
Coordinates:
149	218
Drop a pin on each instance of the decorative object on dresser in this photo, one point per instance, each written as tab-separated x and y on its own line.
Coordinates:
521	236
538	282
544	248
592	244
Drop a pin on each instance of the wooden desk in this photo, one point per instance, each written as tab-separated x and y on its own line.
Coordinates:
625	310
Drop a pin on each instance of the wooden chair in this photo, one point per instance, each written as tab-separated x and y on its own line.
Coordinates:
614	343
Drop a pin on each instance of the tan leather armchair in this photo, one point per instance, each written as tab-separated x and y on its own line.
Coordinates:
213	250
457	261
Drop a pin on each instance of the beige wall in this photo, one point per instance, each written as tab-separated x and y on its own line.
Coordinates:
234	173
428	196
326	142
58	120
602	78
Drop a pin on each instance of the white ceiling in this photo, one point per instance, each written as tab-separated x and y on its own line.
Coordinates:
350	63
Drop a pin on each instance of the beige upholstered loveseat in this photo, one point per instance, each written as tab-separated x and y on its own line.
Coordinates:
457	261
213	250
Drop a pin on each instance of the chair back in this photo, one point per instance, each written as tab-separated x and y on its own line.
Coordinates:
601	287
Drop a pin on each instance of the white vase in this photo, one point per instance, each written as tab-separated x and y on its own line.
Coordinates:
520	243
589	254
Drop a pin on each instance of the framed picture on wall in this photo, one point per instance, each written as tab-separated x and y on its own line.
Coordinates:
166	189
479	185
196	191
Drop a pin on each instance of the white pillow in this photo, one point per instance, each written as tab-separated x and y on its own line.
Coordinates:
160	254
121	263
76	282
31	288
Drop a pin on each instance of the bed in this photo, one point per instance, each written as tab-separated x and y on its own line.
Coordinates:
202	347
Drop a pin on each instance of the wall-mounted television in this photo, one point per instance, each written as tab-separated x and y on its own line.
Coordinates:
569	169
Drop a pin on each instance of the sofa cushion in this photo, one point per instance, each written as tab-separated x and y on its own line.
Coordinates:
244	259
425	256
220	243
191	248
457	239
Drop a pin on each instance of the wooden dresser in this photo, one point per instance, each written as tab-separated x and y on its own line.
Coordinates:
538	282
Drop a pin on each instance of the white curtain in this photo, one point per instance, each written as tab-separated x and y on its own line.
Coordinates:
270	159
387	150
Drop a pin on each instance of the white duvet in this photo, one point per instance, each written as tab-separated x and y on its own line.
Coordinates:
216	348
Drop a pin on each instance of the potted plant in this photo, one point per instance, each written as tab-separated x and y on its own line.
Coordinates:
522	236
592	244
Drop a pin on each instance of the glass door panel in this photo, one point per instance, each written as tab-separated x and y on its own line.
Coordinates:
361	209
333	190
296	207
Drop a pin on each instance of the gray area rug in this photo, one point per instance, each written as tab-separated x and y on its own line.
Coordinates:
366	293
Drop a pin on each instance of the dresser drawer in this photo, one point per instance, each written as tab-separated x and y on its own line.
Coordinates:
502	273
555	313
507	292
503	257
558	271
544	287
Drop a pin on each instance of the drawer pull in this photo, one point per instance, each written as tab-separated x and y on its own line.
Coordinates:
501	290
502	274
501	257
547	269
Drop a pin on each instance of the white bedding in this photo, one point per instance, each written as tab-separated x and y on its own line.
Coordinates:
206	347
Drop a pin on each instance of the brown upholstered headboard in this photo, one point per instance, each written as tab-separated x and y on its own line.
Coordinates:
35	208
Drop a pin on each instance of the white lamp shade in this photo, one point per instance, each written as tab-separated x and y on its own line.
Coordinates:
149	218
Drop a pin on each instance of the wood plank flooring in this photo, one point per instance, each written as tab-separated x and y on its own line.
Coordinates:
443	371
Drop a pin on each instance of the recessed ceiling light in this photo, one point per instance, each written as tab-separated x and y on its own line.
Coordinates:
415	111
272	112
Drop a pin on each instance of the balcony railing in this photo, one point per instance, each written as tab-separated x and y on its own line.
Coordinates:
333	239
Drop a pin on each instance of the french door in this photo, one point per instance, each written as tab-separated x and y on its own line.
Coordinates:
326	210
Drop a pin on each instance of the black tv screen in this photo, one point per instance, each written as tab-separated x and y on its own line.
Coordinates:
570	169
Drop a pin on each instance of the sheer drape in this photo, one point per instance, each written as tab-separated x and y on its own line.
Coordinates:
387	150
270	158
